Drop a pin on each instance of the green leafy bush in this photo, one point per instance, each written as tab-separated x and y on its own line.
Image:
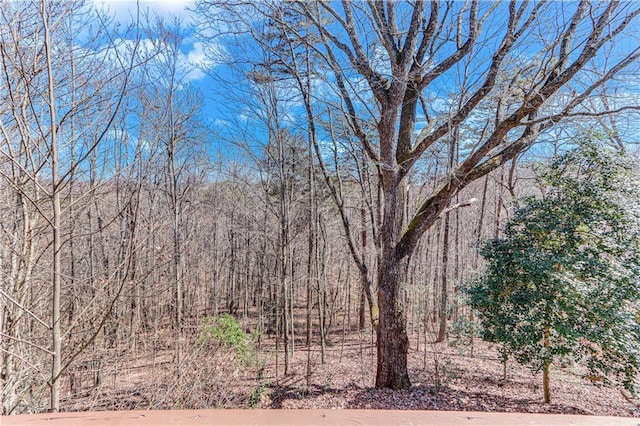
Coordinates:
563	281
225	330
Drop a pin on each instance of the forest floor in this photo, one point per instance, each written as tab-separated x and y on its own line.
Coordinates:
445	376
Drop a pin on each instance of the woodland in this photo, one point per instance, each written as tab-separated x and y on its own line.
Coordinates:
411	205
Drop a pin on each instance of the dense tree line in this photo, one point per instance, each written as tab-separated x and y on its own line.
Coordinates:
377	145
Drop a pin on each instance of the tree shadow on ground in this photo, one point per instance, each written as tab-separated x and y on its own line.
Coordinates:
421	397
281	393
424	397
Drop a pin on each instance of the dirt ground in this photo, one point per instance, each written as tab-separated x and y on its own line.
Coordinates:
445	377
462	383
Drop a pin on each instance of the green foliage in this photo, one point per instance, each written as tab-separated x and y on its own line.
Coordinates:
463	329
569	262
256	395
225	330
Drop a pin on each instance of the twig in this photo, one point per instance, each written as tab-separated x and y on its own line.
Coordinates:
15	302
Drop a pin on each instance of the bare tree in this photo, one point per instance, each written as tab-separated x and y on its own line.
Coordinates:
46	108
387	58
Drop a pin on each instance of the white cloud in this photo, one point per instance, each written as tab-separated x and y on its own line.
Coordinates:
195	62
191	62
125	11
192	59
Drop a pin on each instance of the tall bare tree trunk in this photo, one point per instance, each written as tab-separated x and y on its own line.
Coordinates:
56	364
444	287
393	342
364	280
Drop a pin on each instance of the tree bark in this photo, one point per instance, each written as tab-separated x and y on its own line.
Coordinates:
545	369
56	364
393	342
444	295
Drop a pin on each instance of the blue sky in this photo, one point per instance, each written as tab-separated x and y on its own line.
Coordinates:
193	59
216	107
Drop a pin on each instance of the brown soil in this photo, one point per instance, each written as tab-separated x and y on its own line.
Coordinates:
444	377
462	383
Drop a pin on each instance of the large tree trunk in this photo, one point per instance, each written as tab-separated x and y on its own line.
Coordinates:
393	342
